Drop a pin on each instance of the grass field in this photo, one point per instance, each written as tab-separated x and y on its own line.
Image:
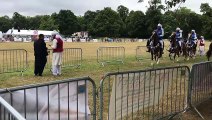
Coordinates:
89	67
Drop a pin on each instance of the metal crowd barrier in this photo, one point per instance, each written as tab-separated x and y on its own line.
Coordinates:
146	94
110	54
13	60
9	113
73	99
201	84
72	57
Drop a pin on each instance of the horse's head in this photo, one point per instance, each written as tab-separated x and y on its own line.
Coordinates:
172	36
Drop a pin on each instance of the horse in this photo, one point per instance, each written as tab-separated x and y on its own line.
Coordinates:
191	48
184	48
175	47
209	52
155	47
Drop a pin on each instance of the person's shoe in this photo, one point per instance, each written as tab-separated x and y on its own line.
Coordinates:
40	75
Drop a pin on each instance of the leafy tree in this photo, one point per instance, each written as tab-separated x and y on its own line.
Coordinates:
188	20
34	22
89	18
136	24
48	23
19	21
123	12
67	22
107	23
207	19
82	25
5	23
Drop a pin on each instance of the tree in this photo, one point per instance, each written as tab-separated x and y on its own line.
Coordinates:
48	23
136	24
19	21
34	22
89	17
107	23
206	9
188	20
82	25
5	23
123	12
207	19
67	22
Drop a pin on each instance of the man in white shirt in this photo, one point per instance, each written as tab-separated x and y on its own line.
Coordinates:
57	47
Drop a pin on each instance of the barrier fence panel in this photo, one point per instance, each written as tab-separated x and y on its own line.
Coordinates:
141	53
146	94
9	113
72	57
110	54
13	60
201	83
73	99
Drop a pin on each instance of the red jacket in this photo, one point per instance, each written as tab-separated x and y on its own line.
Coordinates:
59	45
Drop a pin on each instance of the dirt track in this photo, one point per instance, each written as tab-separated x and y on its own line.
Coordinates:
205	109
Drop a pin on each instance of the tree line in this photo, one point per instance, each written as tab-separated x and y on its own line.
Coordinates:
118	23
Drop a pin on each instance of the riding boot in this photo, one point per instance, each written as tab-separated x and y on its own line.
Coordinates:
161	52
180	49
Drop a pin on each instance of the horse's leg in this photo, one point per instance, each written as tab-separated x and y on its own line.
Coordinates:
152	57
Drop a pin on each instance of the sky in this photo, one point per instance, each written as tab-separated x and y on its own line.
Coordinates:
78	7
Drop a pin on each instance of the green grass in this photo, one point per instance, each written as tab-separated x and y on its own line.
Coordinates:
89	66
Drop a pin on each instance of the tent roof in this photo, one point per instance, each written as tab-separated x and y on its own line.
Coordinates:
28	32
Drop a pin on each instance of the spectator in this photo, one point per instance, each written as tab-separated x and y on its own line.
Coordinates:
57	47
40	53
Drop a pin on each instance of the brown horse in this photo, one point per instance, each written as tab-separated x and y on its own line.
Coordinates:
191	49
175	47
155	47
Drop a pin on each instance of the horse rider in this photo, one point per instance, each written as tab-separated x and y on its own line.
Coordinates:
193	38
179	37
160	33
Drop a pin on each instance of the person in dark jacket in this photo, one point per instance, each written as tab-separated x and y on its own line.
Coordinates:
40	53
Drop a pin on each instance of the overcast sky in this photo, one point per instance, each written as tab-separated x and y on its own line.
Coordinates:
79	7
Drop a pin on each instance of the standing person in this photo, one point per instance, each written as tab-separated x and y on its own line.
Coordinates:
57	47
202	46
40	53
160	34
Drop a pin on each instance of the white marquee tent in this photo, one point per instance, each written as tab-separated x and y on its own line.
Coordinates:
29	32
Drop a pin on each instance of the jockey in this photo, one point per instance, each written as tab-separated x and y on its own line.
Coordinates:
193	38
178	36
160	33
